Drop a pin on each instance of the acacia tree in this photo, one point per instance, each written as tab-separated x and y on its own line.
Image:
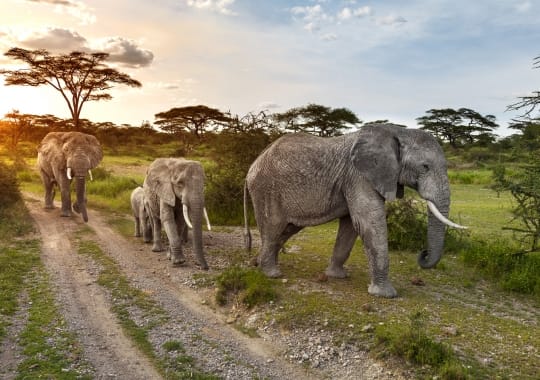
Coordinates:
530	102
317	119
192	119
17	125
458	126
78	76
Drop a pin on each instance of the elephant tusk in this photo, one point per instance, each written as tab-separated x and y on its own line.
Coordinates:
186	216
207	220
90	173
441	217
69	173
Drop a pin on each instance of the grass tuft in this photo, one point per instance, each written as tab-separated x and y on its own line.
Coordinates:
250	286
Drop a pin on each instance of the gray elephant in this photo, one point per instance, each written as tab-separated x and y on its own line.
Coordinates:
302	180
63	156
174	195
143	224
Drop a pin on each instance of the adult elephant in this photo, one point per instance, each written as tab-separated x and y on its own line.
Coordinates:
174	196
63	156
302	180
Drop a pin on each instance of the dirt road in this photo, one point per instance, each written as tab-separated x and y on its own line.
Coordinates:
214	344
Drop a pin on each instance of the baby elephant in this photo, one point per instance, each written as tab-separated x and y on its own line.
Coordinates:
143	224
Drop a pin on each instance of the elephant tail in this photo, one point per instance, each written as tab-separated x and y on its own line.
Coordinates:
247	233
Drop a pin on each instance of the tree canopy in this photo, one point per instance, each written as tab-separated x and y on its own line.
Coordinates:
78	76
317	119
193	119
459	126
528	103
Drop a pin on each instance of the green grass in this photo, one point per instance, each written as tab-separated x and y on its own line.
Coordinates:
49	349
251	287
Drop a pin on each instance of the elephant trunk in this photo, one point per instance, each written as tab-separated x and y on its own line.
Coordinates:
435	237
80	203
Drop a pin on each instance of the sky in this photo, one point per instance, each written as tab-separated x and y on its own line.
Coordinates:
386	59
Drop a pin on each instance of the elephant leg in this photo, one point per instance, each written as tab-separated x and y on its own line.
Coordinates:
169	216
48	184
371	227
346	237
137	226
65	195
271	244
157	245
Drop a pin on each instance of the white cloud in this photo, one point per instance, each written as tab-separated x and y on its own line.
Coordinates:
348	13
524	7
329	37
391	20
75	8
125	51
53	39
220	6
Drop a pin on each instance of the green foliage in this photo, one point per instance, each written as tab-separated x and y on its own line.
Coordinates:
250	286
234	150
317	119
413	344
525	189
9	186
458	127
407	224
501	261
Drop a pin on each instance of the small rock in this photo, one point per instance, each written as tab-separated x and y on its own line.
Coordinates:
284	280
417	281
367	307
450	330
322	277
367	328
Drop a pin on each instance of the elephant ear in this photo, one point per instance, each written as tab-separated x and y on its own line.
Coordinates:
158	180
95	153
376	154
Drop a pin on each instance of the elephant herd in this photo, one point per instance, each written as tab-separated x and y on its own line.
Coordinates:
300	180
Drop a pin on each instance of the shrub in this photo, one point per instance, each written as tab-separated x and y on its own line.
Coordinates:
250	286
10	188
407	224
412	343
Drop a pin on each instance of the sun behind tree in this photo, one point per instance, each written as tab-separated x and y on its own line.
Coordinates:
78	76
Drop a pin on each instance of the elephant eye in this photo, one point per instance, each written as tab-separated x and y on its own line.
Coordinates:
425	168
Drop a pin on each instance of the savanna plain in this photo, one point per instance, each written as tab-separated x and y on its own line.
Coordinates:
476	316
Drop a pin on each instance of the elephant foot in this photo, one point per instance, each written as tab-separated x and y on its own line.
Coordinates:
65	213
76	208
178	259
157	248
202	264
271	271
335	272
147	241
49	207
385	290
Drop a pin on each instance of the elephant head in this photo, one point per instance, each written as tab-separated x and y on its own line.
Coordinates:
63	156
391	158
176	182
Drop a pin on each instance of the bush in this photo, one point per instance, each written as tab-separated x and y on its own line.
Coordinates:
10	193
407	224
412	343
250	286
501	261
